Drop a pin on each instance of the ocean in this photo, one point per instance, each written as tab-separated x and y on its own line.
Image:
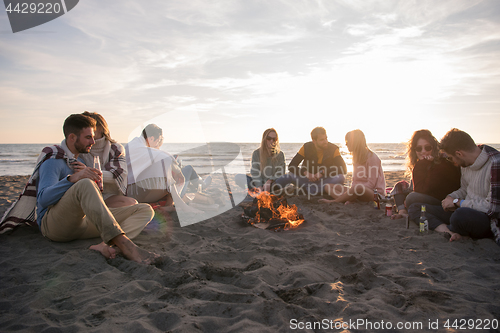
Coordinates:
20	159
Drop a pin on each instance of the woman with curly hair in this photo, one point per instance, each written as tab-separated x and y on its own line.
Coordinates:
432	175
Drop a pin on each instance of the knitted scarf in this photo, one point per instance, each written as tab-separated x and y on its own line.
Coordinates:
23	210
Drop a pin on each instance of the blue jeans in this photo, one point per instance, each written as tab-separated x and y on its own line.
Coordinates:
189	174
312	188
464	221
241	180
470	222
435	214
415	197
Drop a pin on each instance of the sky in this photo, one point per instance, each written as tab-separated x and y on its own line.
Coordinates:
225	70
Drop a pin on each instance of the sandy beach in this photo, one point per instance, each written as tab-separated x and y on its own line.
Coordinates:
346	268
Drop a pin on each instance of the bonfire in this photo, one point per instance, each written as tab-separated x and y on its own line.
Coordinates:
272	212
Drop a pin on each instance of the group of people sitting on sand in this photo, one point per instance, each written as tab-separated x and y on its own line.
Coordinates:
69	197
458	181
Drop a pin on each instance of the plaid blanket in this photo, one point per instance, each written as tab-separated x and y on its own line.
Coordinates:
23	210
117	165
494	211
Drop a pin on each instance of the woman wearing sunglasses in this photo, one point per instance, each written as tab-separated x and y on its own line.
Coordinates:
432	175
268	163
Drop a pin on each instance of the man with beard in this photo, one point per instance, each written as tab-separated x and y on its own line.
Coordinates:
69	204
474	208
321	164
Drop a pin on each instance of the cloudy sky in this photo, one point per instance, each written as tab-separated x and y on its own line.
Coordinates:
225	70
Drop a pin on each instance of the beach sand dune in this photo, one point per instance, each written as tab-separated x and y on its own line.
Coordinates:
346	263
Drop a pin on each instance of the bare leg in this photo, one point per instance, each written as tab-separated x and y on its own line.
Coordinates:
444	228
132	251
325	201
358	192
335	190
106	250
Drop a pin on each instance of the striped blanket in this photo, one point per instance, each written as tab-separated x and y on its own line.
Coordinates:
23	210
114	161
494	211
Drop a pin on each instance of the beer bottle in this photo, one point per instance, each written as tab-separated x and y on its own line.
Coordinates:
424	224
376	199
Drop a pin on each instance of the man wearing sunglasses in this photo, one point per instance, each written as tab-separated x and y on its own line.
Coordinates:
472	210
321	164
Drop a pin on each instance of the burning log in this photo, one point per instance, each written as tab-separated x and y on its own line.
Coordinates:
272	212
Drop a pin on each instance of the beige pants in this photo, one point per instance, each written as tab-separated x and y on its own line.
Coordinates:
81	213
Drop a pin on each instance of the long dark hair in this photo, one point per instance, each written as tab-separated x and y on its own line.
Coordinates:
411	157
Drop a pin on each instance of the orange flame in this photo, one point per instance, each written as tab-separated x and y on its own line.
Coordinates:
254	192
283	212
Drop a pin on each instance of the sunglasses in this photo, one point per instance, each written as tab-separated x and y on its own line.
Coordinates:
418	149
270	138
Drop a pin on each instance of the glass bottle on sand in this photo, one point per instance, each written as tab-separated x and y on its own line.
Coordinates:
424	224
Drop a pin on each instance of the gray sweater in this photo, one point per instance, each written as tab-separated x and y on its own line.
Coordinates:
271	171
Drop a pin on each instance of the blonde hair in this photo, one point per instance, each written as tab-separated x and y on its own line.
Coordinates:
264	150
357	143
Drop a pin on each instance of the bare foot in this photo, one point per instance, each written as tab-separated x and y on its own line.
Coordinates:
133	252
106	250
348	203
398	216
325	201
456	237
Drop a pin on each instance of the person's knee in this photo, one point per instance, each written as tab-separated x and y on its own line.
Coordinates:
188	169
128	201
414	209
146	209
462	216
358	190
86	184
